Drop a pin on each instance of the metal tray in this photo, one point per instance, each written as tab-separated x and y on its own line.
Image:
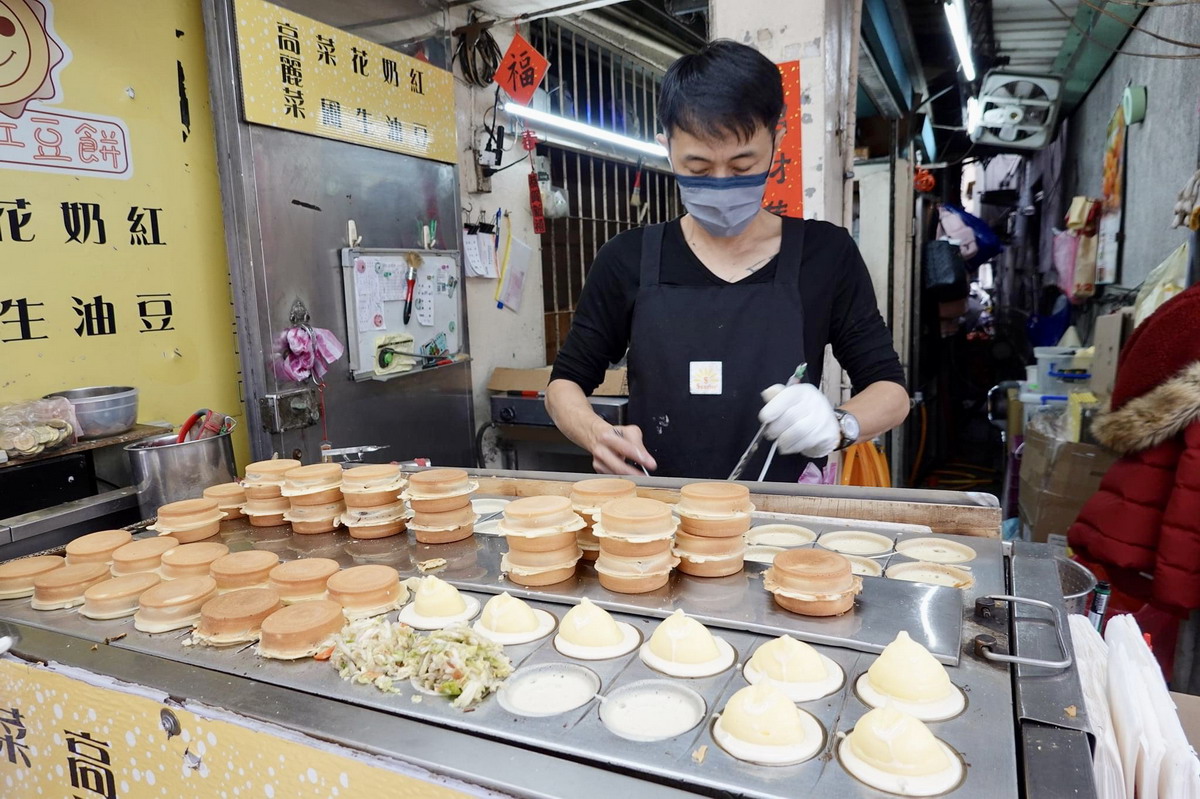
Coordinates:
983	734
932	615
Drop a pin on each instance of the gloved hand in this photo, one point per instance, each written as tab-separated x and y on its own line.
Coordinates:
800	419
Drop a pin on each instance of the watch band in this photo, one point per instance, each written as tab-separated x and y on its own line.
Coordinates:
848	438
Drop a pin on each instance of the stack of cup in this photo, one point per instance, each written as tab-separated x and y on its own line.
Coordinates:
713	520
373	505
635	545
230	498
541	535
189	520
265	504
315	493
441	505
587	497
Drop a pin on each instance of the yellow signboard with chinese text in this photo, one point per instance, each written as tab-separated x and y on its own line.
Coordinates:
113	267
298	74
61	736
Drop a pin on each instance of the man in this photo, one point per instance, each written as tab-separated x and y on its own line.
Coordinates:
724	302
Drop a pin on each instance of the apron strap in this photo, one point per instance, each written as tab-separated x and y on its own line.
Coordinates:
791	251
652	239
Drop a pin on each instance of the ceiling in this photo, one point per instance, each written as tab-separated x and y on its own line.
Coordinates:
1030	33
390	21
657	31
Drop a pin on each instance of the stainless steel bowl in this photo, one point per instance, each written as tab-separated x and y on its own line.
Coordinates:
102	410
1078	582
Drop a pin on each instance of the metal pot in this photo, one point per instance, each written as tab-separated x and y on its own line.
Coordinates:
1077	584
102	410
164	471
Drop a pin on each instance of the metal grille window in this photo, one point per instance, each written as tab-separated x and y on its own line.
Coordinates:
595	83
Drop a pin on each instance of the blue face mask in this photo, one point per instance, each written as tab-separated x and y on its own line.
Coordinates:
723	206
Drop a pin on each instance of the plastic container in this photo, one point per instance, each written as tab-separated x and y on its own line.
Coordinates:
1030	403
102	410
1062	370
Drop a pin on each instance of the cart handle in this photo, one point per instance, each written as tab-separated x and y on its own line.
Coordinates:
983	648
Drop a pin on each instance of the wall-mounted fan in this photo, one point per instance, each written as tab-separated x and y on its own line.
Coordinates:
1016	111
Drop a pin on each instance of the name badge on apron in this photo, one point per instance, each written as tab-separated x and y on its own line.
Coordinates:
705	377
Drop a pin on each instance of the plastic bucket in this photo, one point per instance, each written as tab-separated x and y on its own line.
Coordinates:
164	471
1061	370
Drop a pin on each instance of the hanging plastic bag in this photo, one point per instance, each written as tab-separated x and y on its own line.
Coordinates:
1081	213
977	241
1066	247
1164	282
1084	282
306	352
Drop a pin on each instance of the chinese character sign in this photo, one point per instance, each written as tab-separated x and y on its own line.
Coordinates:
42	139
298	74
112	255
63	737
785	182
521	70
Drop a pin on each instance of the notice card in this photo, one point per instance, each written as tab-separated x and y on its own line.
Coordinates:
368	296
512	283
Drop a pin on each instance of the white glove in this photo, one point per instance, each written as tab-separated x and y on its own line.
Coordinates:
800	419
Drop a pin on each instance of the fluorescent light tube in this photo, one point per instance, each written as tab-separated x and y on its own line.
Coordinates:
956	16
590	131
974	115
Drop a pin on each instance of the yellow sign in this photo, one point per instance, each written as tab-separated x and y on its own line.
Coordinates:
61	736
301	75
113	267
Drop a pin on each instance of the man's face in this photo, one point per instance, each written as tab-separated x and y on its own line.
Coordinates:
24	52
721	157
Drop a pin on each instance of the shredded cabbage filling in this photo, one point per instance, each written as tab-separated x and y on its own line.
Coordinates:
455	662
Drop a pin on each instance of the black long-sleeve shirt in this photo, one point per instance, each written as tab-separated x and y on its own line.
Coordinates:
835	290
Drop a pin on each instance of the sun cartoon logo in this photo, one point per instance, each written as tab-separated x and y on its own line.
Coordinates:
706	378
29	55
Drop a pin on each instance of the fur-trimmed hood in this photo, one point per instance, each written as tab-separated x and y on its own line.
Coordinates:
1156	416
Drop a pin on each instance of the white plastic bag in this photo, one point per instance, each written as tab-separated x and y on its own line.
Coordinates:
1164	282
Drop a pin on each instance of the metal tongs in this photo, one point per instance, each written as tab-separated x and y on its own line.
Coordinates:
796	377
350	454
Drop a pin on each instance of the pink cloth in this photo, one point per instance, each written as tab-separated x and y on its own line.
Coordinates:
306	352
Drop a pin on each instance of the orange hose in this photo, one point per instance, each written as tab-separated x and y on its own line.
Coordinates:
916	467
864	465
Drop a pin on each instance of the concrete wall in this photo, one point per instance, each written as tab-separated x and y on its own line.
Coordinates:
1163	151
820	34
498	337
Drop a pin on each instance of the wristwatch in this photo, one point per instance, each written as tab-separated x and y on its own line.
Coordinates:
849	427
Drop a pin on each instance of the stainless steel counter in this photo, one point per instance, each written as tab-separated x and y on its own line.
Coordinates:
1007	718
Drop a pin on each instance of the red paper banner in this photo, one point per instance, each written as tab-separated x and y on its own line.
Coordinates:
785	184
521	70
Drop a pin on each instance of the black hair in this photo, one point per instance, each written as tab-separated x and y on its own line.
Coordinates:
725	88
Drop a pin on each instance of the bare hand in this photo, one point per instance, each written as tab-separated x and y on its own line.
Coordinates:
612	447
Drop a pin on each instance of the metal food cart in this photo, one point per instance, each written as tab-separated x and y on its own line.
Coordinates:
1004	641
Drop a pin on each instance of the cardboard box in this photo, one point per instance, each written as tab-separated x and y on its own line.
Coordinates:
1057	479
1109	336
616	382
1188	707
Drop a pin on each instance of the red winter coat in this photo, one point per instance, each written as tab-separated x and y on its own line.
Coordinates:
1143	525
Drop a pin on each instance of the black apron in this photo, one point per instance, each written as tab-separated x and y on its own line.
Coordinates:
727	341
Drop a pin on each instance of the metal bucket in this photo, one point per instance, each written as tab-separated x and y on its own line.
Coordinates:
1077	584
164	471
